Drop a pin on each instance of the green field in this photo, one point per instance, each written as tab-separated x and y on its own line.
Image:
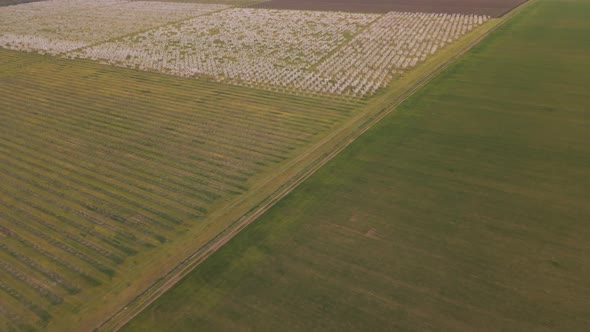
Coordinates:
467	209
105	170
114	179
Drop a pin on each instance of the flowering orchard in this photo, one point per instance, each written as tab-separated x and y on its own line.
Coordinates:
396	42
302	52
243	46
58	26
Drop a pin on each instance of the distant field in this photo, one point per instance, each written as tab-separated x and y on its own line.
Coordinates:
465	210
15	2
494	8
59	26
103	167
301	52
222	2
294	51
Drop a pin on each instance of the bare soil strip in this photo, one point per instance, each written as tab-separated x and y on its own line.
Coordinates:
494	8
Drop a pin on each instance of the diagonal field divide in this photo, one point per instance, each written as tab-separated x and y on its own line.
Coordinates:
306	165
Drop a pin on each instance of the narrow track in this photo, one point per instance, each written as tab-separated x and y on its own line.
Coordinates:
330	150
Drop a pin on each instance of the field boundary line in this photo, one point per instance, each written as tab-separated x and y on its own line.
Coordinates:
135	33
327	153
346	42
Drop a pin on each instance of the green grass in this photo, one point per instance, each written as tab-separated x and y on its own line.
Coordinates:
465	210
111	176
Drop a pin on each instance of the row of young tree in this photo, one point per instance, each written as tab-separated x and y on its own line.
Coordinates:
302	52
59	26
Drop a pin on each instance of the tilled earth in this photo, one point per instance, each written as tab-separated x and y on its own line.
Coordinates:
494	8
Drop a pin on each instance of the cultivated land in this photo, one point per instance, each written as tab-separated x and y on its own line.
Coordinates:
493	8
223	2
58	26
113	176
103	167
121	174
465	210
15	2
301	52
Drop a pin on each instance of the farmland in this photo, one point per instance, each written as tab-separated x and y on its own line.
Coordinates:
493	8
137	137
221	2
464	210
104	167
57	26
15	2
300	52
112	176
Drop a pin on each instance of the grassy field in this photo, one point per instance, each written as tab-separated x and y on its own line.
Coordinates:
102	166
465	210
112	177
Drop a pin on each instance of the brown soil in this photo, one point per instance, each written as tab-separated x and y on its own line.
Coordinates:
494	8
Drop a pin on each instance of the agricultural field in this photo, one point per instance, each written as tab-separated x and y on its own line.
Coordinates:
271	47
112	176
289	49
103	168
221	2
466	210
300	52
134	133
494	8
58	26
15	2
